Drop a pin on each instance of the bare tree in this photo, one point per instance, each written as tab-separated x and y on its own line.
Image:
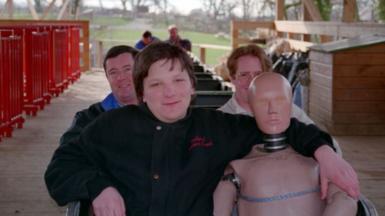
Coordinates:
229	8
101	4
324	7
162	6
266	6
38	6
247	7
215	8
75	8
295	8
136	4
381	9
124	4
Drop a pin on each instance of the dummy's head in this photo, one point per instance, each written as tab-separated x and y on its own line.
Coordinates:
270	101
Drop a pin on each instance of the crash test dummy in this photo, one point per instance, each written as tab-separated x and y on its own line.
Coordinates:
273	179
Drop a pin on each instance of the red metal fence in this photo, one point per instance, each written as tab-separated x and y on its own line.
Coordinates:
11	82
36	62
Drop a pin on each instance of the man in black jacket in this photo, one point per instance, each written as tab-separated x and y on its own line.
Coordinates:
118	65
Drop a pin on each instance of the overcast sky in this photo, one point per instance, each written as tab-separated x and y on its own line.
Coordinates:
183	6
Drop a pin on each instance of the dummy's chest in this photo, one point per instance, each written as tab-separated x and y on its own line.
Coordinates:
270	172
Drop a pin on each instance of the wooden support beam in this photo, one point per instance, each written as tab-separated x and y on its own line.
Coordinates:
279	9
63	9
305	17
100	51
234	34
32	10
85	42
48	9
312	9
290	35
10	8
350	11
279	12
311	13
202	55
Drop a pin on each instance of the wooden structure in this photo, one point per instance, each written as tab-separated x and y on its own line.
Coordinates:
347	83
347	92
299	33
84	35
337	30
347	89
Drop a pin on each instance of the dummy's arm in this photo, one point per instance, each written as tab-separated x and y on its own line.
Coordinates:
225	196
339	203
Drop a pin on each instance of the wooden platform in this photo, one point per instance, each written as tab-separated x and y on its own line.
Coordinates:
23	158
367	156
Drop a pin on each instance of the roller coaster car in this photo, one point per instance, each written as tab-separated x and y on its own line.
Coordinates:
82	208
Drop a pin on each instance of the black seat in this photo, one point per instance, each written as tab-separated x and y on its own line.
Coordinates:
198	68
211	99
208	85
366	207
200	75
79	208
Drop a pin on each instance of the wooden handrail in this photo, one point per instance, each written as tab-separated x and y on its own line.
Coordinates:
212	46
203	47
252	25
337	29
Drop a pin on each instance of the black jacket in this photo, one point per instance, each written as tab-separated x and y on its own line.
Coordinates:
80	121
159	168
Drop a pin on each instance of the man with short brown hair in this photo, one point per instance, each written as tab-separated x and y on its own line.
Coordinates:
118	65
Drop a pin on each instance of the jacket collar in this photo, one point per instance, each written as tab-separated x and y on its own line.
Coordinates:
237	108
110	102
143	107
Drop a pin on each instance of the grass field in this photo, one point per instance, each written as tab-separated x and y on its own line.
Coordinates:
120	34
116	29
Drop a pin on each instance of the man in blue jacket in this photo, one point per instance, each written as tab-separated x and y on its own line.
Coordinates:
147	38
118	65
